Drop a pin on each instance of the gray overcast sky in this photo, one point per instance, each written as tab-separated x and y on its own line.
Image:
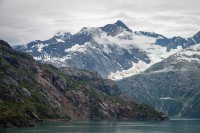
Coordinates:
22	21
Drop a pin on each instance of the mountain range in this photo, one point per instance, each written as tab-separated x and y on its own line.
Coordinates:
149	67
114	50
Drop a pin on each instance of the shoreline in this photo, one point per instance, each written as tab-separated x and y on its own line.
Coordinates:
32	123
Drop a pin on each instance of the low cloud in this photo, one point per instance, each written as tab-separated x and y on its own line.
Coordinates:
140	42
25	20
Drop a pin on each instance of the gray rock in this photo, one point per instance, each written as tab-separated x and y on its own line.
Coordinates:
25	92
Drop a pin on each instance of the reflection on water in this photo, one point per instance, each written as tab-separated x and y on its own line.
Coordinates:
173	126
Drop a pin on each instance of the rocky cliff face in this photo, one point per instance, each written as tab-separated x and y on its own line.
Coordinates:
171	86
32	91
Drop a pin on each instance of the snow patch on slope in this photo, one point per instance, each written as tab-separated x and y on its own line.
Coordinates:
59	40
54	60
39	46
156	54
135	69
166	98
78	48
190	54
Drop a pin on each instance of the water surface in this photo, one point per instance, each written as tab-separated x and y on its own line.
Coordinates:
171	126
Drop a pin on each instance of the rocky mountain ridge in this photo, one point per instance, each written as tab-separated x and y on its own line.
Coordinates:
171	86
114	50
32	91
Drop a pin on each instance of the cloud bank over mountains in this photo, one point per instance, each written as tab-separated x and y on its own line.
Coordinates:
23	21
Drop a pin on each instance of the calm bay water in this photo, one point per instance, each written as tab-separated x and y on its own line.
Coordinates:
171	126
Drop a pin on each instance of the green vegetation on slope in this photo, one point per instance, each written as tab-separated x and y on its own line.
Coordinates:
32	91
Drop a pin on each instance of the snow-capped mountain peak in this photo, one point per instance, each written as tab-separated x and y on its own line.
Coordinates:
60	37
114	50
116	28
121	24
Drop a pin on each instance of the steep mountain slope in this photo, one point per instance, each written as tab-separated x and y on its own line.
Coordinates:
171	86
30	90
113	50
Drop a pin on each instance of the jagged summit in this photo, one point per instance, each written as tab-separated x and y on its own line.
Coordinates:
110	29
116	28
198	33
4	43
62	34
120	23
60	37
197	37
88	30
